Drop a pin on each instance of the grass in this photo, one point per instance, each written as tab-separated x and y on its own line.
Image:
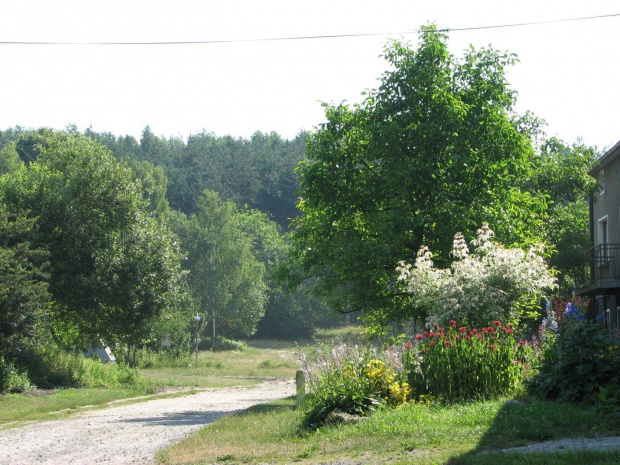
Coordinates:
415	434
41	405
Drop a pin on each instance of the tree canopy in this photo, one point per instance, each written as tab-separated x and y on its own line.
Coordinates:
112	265
435	150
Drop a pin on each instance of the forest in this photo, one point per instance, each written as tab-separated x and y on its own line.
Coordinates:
204	240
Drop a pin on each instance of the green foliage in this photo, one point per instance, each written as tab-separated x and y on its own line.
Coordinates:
24	300
352	379
9	159
12	379
226	280
582	357
562	173
113	267
461	364
435	150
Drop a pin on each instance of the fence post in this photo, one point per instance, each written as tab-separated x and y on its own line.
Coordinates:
300	383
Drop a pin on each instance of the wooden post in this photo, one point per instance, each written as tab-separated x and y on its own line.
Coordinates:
300	383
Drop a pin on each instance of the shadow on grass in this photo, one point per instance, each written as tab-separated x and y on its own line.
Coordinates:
282	404
521	423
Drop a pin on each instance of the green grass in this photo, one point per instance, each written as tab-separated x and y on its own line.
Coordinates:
42	405
415	434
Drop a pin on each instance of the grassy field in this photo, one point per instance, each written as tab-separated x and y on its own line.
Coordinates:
416	434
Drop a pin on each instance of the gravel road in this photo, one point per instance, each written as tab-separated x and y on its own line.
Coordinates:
129	434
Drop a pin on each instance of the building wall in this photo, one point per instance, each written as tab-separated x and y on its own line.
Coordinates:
606	205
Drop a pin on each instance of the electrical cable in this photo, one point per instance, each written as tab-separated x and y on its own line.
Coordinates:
329	36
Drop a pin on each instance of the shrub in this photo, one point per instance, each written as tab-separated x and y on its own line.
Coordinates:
582	357
351	379
12	379
459	364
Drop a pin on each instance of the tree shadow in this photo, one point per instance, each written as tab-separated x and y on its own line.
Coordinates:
525	422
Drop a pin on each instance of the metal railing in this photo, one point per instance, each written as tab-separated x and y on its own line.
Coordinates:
605	262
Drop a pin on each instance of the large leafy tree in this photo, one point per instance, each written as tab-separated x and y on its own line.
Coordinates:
435	150
226	279
113	266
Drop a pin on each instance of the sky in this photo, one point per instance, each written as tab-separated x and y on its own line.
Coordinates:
568	71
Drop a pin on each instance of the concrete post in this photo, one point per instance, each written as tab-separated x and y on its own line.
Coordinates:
300	383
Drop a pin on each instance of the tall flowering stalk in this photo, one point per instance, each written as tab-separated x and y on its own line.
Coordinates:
352	379
489	283
458	363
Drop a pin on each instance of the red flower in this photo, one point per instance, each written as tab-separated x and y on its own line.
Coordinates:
447	343
521	342
462	329
431	334
408	345
426	333
475	331
418	337
492	347
485	330
510	325
497	323
435	325
453	323
507	330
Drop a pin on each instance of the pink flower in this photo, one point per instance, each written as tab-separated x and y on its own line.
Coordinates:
409	345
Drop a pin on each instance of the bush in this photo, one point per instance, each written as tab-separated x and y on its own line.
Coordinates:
582	357
351	379
12	379
52	367
459	364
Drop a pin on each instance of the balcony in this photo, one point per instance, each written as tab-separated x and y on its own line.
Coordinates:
604	269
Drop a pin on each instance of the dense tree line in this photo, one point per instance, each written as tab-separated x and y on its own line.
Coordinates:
92	250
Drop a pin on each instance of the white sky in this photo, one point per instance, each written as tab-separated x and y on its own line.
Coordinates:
569	73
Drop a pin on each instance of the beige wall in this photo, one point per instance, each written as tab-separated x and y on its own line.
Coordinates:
607	204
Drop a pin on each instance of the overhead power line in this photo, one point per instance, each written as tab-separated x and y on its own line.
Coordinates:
315	37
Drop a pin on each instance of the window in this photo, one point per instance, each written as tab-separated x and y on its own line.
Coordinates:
602	231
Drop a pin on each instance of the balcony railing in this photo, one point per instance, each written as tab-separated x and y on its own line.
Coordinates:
605	263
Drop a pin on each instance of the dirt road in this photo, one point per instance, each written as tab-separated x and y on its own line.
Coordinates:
129	434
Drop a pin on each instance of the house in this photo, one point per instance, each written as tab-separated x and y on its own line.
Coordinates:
604	285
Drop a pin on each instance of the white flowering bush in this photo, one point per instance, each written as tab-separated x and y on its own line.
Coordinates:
488	283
